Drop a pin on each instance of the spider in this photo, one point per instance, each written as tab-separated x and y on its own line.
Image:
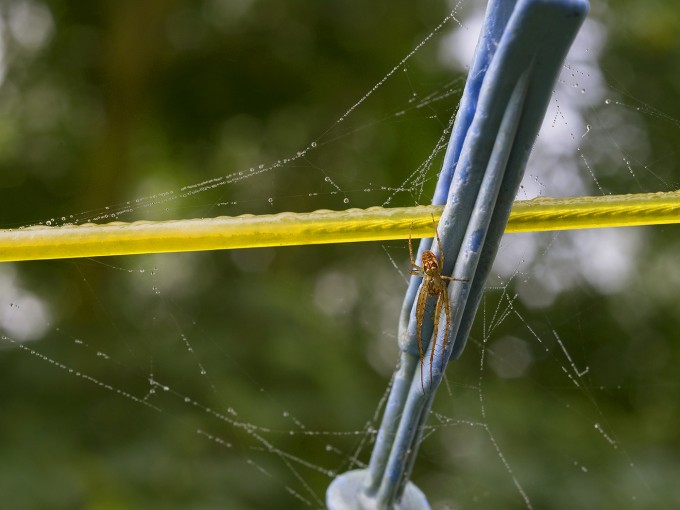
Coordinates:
434	284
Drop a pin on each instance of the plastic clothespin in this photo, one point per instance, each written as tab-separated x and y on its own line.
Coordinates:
518	59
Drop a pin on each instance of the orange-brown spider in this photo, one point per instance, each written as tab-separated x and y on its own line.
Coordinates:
434	284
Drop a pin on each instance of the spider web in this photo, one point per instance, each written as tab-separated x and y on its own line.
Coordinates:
249	379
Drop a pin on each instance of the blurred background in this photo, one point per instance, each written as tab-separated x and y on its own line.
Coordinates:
249	378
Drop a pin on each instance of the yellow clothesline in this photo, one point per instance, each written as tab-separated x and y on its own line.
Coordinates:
321	227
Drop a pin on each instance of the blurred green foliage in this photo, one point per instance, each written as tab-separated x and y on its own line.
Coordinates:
104	102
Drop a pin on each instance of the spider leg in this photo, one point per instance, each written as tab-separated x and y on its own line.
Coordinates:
441	261
420	311
444	298
410	248
439	243
447	310
453	279
437	312
441	256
